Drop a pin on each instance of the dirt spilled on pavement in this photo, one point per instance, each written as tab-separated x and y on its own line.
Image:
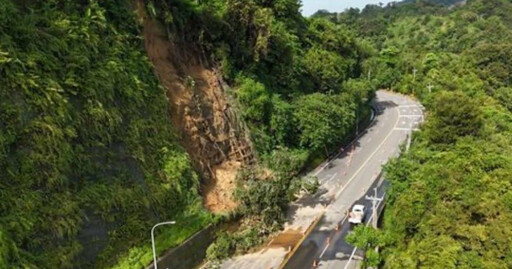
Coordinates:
209	128
287	239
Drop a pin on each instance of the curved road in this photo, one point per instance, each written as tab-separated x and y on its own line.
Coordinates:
344	181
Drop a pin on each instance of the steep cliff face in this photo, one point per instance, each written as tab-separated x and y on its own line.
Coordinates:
210	130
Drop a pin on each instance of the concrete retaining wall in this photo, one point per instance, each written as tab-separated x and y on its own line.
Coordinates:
189	254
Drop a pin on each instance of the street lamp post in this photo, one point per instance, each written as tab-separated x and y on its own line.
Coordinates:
155	266
429	87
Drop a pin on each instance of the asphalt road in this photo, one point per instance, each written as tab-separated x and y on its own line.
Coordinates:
328	247
344	181
355	174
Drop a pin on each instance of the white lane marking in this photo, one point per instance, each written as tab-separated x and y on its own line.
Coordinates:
369	140
351	143
406	129
405	105
332	177
369	158
351	257
327	246
325	249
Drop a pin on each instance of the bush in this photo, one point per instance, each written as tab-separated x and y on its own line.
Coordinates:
254	98
454	115
222	248
287	162
323	119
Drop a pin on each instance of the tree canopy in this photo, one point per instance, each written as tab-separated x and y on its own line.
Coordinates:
89	158
449	203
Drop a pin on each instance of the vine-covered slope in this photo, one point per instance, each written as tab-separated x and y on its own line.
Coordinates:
88	158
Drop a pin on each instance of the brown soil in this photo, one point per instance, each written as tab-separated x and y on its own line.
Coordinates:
210	130
286	239
218	196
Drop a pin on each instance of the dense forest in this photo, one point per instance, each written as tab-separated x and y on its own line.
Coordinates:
90	158
442	2
450	201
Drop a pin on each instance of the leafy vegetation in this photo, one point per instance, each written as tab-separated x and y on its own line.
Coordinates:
367	239
449	205
278	62
88	158
299	86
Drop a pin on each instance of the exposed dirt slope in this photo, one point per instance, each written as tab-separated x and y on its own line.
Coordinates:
210	131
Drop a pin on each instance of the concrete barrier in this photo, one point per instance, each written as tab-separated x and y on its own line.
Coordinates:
189	254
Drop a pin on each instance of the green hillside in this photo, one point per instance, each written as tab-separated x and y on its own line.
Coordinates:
441	2
89	158
92	154
450	202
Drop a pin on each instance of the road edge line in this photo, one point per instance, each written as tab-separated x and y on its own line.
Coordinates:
337	195
310	229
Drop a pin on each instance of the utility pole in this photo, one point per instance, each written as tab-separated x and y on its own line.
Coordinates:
374	200
357	123
357	114
429	87
408	142
414	70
